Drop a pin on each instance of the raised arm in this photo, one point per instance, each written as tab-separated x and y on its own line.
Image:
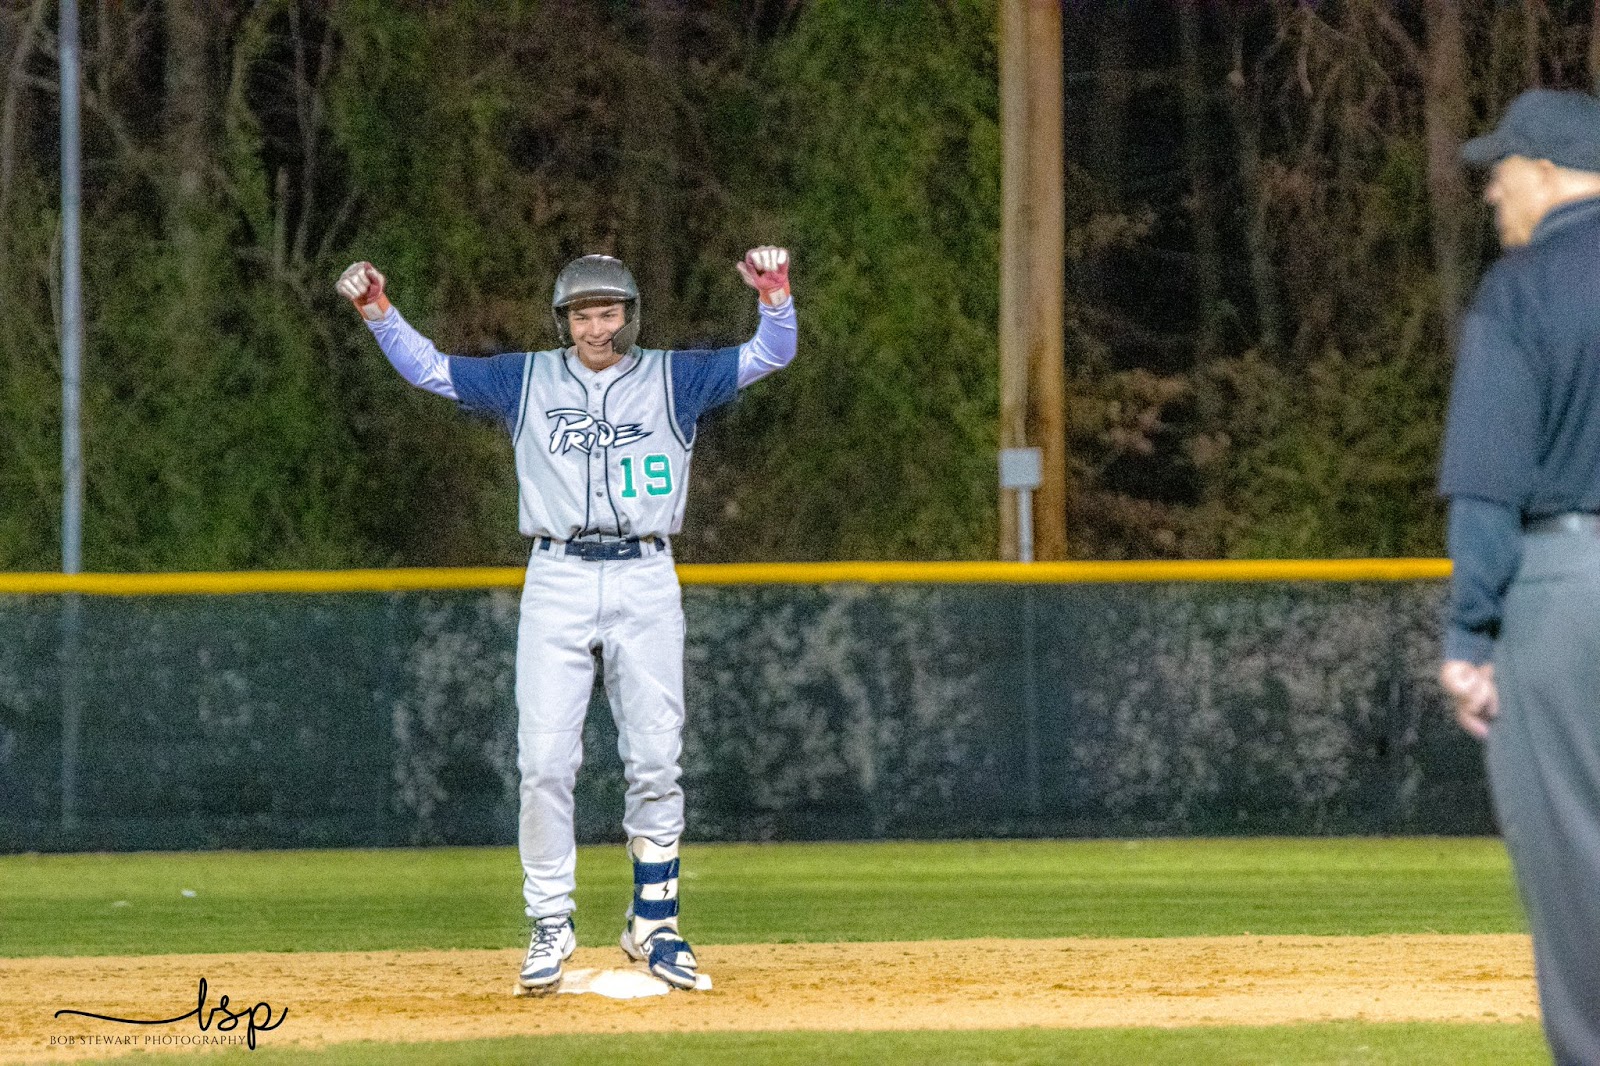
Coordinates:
766	269
408	351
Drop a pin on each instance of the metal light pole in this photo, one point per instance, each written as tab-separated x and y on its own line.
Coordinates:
71	300
71	440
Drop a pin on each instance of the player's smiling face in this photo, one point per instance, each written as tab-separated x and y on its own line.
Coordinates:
593	325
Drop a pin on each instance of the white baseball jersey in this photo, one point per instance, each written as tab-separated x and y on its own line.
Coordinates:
600	454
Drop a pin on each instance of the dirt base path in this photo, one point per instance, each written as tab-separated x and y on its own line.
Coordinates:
971	984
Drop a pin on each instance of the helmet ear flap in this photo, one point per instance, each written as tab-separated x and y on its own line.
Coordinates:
624	339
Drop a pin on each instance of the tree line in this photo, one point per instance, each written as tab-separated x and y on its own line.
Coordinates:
1269	244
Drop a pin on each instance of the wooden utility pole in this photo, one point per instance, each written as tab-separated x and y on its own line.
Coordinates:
1032	264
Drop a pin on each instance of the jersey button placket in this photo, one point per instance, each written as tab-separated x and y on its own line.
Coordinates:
597	410
597	483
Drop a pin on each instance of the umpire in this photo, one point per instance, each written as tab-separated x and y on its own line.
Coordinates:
1521	469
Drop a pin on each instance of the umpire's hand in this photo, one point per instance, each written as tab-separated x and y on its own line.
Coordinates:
362	285
1471	687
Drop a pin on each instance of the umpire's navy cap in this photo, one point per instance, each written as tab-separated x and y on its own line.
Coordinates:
1563	127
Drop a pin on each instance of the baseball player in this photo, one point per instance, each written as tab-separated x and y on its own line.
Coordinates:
1521	467
602	431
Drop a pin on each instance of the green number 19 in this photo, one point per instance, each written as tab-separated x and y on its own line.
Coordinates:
657	472
658	475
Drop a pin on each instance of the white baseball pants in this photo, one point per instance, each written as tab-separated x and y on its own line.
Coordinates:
630	611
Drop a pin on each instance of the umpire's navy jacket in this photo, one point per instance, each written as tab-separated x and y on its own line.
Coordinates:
1522	438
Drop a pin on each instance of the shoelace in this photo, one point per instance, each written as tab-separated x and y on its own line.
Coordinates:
546	934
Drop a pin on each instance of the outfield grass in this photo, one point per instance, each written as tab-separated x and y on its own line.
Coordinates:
470	897
1342	1043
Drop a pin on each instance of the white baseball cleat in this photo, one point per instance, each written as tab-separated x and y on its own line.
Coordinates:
554	940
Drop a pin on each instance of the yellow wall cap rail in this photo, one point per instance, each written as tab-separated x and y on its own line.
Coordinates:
442	578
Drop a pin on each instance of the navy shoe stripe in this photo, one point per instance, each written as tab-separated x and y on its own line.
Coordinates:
666	948
664	960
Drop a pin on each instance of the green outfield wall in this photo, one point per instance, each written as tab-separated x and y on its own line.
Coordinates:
375	708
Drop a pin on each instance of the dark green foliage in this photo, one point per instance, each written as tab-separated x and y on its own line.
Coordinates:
879	443
1257	312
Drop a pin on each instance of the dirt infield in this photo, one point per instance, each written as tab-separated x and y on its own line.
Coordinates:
970	984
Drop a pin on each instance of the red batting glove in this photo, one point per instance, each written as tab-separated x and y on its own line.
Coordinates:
766	270
362	285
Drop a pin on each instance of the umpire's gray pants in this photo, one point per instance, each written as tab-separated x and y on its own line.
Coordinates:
631	612
1543	757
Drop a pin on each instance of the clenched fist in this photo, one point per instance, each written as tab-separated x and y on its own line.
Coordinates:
362	285
766	270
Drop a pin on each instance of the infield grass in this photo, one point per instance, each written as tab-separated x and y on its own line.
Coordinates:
1331	1044
470	897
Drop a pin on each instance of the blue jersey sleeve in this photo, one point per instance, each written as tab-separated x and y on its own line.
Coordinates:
702	379
490	386
1486	547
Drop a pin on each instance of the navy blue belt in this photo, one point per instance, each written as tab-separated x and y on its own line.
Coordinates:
1567	522
599	551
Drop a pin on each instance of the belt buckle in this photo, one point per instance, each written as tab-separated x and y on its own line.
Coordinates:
603	551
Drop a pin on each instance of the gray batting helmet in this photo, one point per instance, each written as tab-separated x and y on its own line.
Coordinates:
597	277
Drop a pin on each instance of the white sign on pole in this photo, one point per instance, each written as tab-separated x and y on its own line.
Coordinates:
1021	469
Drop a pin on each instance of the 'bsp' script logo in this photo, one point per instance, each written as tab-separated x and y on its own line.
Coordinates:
261	1018
577	428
